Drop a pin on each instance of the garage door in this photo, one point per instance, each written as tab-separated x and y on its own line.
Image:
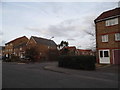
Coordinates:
116	56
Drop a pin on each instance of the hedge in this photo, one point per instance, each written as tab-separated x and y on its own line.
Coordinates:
77	62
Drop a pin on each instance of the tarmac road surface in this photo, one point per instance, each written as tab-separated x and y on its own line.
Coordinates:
34	76
0	74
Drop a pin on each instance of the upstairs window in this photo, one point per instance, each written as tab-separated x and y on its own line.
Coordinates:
117	37
111	22
104	38
20	48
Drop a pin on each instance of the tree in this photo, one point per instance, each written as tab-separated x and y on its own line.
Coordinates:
63	44
32	54
91	31
64	51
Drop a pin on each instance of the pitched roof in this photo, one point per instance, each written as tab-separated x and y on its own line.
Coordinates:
16	39
71	47
44	41
108	14
88	50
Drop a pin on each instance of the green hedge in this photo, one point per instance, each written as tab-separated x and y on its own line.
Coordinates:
77	62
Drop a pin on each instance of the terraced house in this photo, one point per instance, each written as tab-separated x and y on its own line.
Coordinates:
10	47
47	48
108	37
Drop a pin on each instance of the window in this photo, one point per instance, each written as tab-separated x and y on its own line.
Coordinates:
104	38
48	47
111	22
10	44
20	48
6	55
101	53
106	54
14	53
19	54
40	53
117	37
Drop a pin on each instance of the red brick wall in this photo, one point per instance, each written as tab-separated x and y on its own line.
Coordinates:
101	29
16	42
43	49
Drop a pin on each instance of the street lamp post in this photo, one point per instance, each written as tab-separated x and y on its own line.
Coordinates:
51	37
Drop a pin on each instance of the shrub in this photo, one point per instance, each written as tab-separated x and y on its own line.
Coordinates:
77	62
14	58
31	54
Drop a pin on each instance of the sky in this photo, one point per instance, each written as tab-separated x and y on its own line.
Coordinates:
66	21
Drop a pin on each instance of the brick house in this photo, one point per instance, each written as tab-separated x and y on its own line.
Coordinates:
72	50
47	48
68	50
85	52
19	50
9	47
108	37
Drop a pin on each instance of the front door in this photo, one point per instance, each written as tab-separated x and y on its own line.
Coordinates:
104	56
116	56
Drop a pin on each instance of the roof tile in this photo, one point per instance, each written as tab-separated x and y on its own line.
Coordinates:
40	40
107	14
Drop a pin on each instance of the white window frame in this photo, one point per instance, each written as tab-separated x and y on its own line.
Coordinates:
103	58
10	44
20	48
111	22
117	36
48	47
104	38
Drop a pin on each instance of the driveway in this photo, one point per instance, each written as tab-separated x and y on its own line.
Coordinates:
35	76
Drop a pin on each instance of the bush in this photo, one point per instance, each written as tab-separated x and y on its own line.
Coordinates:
14	58
77	62
24	61
31	54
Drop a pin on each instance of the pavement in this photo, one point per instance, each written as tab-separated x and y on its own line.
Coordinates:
103	73
100	68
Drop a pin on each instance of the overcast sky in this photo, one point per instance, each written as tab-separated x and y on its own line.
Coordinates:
63	20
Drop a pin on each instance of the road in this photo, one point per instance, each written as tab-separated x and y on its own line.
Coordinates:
34	76
0	74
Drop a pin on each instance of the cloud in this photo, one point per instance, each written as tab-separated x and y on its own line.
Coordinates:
1	33
67	29
71	39
2	42
59	0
